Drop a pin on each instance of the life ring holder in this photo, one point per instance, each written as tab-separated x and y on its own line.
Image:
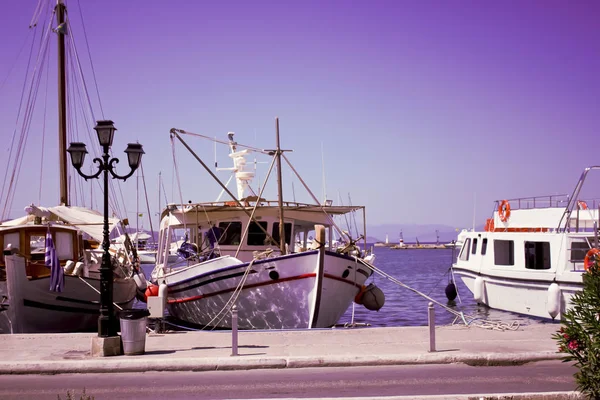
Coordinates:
504	210
590	254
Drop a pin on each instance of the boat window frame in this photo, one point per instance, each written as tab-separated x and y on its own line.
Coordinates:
258	236
466	250
540	258
499	251
474	247
231	233
484	243
287	232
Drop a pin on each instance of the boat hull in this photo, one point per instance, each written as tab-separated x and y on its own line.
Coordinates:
33	308
311	289
522	296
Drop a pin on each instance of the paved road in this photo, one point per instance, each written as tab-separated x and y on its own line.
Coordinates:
367	382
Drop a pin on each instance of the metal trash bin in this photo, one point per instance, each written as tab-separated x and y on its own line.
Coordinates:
133	330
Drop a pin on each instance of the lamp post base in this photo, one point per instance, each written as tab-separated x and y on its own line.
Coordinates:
106	346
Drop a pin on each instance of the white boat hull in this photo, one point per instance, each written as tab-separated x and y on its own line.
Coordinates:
33	308
522	296
295	291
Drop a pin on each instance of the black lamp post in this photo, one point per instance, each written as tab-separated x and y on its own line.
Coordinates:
106	130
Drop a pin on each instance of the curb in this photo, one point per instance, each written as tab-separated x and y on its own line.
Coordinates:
142	364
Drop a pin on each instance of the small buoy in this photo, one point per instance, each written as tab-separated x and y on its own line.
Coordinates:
373	298
451	291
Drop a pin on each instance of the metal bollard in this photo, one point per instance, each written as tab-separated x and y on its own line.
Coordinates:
431	322
234	331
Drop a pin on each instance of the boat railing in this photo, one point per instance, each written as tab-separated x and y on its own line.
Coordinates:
527	203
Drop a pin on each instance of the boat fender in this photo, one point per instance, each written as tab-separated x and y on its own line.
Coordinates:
451	291
78	270
479	290
553	304
69	267
373	298
162	290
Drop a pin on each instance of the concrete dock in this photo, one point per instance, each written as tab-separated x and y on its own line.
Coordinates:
212	350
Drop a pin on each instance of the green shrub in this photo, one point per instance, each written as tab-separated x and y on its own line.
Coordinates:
579	335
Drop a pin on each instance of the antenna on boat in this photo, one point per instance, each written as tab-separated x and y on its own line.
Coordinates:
280	190
323	171
474	203
215	149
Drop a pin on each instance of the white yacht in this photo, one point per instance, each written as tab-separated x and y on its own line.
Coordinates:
531	255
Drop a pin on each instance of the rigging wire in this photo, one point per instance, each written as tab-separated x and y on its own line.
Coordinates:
221	141
27	114
16	59
91	63
147	203
8	203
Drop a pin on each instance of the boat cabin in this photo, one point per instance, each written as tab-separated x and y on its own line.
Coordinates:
30	241
228	227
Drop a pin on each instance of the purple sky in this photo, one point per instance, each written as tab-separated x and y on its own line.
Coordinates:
424	109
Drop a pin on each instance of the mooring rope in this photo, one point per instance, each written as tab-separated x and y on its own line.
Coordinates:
468	320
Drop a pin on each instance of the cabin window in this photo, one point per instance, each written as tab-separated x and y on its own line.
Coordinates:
256	236
483	247
232	233
64	245
474	249
537	255
504	252
288	232
579	249
37	247
464	253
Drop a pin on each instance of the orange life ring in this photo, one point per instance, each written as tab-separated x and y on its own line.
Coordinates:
582	205
504	210
590	254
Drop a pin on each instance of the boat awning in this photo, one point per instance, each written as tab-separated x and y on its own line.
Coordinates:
88	221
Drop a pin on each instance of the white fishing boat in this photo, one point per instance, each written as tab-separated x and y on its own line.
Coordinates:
49	267
530	257
233	255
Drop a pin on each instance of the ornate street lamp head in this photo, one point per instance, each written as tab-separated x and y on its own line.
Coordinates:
78	152
106	131
134	155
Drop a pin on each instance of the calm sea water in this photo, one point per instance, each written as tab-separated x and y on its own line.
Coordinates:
427	271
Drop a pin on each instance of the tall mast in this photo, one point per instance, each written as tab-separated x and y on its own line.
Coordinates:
280	191
62	106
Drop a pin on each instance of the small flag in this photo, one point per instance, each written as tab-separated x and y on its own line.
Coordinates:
57	277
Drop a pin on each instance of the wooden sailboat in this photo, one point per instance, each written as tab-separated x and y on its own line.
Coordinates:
28	303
